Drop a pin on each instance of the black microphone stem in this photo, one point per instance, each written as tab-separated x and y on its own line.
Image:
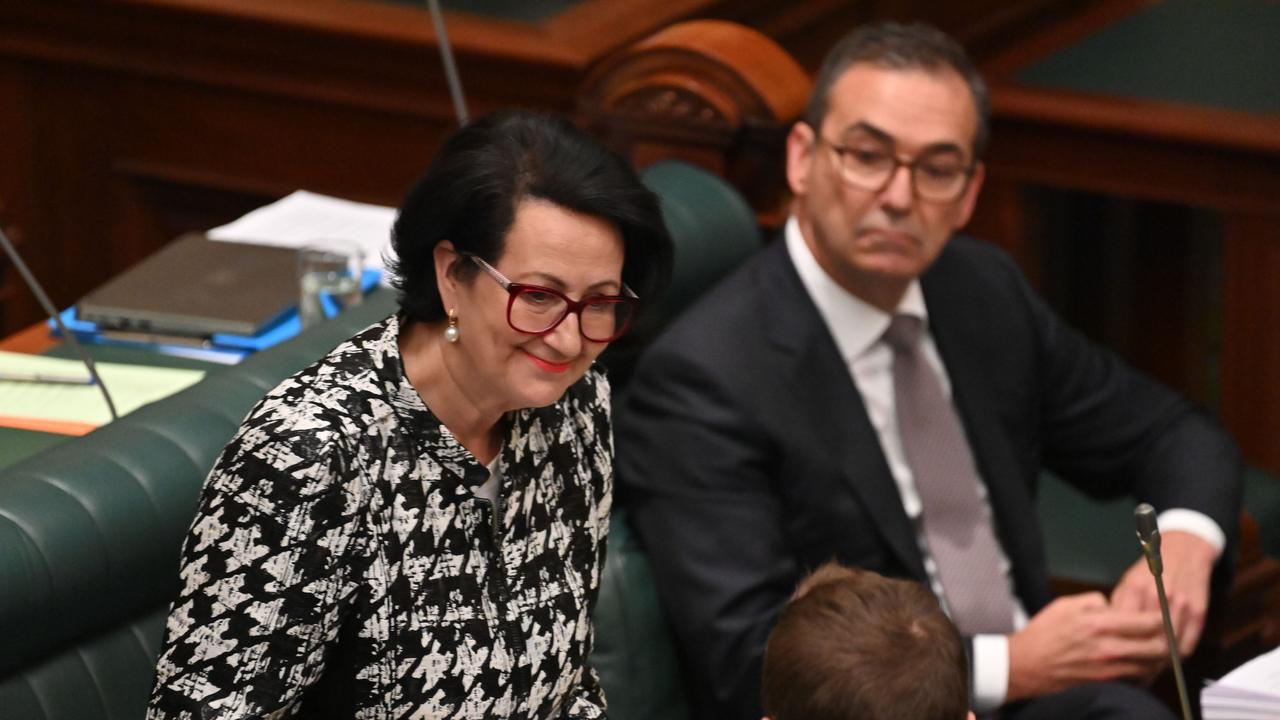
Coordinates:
47	304
1173	650
1149	538
450	67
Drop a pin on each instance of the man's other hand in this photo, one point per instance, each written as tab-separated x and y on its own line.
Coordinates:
1188	564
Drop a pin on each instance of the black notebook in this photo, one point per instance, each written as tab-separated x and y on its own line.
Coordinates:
197	287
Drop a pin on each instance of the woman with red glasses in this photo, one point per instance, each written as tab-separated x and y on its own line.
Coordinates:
414	526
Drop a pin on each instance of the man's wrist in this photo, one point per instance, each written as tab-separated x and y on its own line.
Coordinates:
1196	523
990	671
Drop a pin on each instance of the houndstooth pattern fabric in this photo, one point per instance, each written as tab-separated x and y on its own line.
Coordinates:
340	565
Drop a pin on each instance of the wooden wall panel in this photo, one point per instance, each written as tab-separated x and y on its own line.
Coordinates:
148	123
15	304
807	29
156	116
1251	359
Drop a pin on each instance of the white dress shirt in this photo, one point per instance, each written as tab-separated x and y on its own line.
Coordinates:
857	329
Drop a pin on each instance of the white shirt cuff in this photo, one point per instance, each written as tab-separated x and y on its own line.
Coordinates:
990	671
1196	523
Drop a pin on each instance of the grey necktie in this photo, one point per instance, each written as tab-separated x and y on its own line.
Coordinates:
957	524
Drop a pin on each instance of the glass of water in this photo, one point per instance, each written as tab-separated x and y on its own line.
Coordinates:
329	273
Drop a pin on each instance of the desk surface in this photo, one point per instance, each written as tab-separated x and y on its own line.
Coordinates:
1223	54
17	444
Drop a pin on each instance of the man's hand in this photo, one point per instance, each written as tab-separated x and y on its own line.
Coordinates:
1188	564
1081	638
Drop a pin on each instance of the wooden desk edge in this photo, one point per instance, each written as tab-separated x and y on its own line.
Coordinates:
33	340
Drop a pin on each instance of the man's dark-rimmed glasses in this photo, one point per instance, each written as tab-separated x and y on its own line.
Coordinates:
537	310
938	176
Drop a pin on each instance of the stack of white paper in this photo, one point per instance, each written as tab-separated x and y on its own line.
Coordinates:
302	218
1250	692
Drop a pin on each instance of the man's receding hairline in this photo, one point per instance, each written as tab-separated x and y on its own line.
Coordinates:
941	69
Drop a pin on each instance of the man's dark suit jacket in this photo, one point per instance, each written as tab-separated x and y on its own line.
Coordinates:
746	456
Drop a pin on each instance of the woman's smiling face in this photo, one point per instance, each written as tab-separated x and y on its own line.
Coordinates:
550	246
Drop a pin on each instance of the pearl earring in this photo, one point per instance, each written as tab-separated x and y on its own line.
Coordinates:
451	332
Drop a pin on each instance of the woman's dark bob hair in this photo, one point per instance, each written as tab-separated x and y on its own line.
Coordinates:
470	192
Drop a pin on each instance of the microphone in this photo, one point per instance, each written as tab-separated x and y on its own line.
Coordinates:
450	67
47	304
1149	537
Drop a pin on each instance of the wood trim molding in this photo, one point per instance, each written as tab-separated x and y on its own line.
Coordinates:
1132	148
1070	25
1225	129
721	62
711	92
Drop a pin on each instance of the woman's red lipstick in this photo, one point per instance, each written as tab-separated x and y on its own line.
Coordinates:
547	364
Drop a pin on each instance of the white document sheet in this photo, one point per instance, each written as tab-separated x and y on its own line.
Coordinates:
303	218
74	408
1251	691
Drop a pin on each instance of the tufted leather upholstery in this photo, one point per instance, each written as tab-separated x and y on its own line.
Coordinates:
90	532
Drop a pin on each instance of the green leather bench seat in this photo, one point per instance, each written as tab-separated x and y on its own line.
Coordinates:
634	652
106	676
90	532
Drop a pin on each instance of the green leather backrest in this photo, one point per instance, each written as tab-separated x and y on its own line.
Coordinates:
1092	540
713	231
712	227
1262	501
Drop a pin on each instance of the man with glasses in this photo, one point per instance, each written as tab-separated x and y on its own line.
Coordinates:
875	390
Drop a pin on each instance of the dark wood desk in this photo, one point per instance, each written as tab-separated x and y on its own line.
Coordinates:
33	340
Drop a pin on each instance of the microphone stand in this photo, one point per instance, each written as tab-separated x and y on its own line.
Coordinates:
47	304
450	68
1149	538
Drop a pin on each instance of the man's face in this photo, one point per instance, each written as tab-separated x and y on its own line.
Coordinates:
874	242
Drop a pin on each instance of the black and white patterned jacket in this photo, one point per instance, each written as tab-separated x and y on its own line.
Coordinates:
340	564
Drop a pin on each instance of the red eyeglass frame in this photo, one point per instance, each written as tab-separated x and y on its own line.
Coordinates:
575	307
